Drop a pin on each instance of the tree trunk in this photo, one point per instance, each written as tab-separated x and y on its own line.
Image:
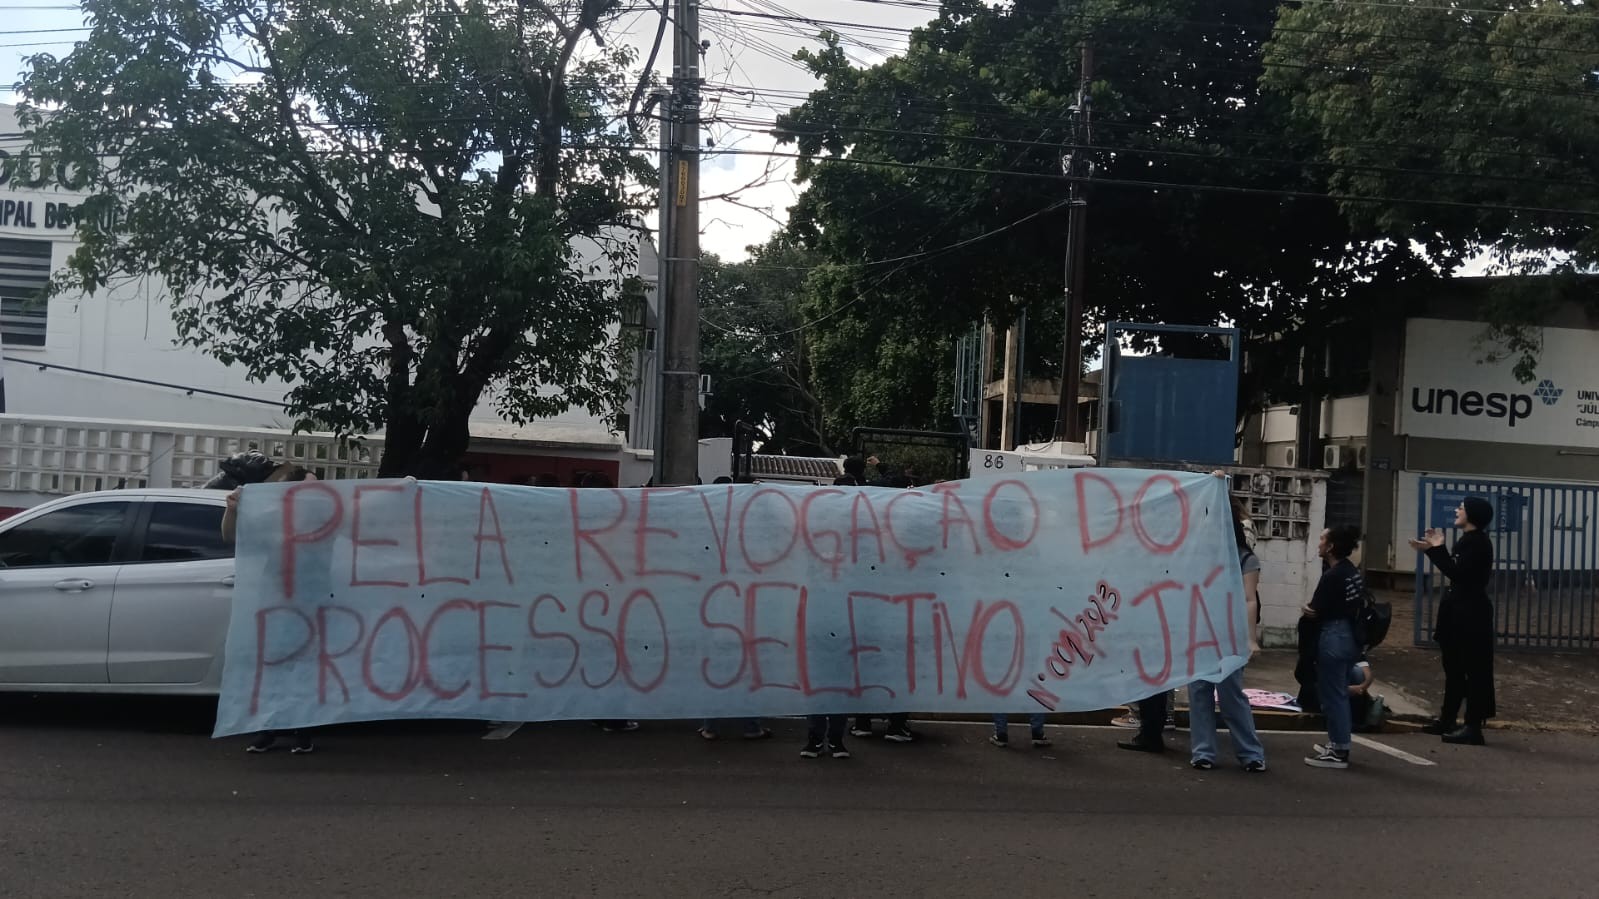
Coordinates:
402	443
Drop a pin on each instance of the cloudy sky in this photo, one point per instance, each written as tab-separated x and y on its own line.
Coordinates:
749	49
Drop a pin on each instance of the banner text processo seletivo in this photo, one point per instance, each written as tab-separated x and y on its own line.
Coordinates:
1051	591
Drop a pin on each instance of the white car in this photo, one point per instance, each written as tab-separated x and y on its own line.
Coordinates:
120	591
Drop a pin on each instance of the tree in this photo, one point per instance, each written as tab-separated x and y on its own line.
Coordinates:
398	206
934	185
1463	130
754	348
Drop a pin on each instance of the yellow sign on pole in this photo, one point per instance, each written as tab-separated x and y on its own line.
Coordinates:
682	182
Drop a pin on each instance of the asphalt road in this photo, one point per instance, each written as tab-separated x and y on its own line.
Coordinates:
119	797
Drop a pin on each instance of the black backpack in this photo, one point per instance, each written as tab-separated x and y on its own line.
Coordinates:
1373	620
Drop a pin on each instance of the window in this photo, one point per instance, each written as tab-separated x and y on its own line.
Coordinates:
184	532
76	535
24	275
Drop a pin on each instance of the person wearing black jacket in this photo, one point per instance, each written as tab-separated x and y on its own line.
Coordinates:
1336	608
1464	627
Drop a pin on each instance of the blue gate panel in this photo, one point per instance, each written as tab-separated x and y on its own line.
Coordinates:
1175	409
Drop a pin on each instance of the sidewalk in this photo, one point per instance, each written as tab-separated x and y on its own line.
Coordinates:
1543	691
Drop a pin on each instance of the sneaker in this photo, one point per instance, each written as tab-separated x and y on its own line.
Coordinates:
263	743
303	745
1329	759
812	750
1041	742
1258	766
1000	740
619	727
900	736
838	751
1140	746
1201	764
1130	722
857	730
1171	721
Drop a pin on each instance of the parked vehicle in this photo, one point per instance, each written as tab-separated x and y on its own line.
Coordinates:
120	591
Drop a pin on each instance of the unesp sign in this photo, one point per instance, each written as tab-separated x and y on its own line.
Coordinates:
1448	393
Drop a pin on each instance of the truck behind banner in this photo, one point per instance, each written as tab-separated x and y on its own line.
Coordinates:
1052	591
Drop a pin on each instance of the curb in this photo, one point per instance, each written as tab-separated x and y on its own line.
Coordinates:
1265	719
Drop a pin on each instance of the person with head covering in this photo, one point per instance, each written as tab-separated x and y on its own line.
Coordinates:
1464	626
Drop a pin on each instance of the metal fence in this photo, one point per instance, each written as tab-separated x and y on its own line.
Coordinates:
1545	589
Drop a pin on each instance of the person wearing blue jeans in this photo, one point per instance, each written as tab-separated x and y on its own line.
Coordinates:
1240	718
1335	606
1035	721
1203	695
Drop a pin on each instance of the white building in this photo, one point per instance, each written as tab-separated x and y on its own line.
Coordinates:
1435	409
113	357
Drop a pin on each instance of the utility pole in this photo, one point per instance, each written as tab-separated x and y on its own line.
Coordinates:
1077	166
678	451
661	99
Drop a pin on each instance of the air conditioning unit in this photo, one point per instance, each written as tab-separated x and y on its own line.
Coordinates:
1291	457
1334	456
1361	455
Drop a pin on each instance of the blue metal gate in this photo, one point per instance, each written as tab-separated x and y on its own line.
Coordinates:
1546	549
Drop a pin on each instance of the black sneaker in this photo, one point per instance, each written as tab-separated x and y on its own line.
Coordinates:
812	750
1000	740
303	745
263	743
863	731
1258	766
900	735
1201	764
1329	758
1140	746
838	751
1041	742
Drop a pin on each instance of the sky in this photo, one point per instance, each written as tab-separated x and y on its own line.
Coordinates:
746	50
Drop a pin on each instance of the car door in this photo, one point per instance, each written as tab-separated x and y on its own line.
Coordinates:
169	615
58	569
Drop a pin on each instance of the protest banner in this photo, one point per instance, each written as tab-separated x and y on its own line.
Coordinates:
1049	591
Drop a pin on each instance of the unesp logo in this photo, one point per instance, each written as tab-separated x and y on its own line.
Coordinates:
1548	392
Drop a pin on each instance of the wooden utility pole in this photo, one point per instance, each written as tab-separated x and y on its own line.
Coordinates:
678	450
1068	424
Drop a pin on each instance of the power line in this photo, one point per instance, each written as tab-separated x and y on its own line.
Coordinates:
1153	151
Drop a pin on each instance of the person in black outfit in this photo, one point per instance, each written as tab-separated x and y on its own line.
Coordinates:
1464	627
1151	722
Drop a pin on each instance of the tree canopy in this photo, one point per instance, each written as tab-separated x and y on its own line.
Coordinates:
1464	130
399	207
933	183
753	347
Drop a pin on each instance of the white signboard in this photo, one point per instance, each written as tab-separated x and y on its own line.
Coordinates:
1448	393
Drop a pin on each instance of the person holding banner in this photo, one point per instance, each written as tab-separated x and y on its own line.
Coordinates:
1235	709
283	473
1335	606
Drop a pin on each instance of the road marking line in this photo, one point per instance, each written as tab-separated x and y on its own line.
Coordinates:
504	731
1396	753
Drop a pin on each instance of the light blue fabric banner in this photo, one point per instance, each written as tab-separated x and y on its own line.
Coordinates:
1050	591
